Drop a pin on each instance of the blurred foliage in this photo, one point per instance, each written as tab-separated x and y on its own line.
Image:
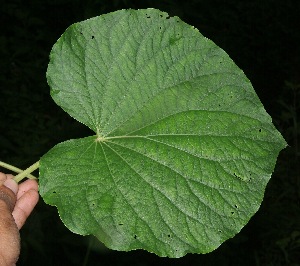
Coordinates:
262	37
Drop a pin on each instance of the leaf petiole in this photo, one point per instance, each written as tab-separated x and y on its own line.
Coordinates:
21	173
29	170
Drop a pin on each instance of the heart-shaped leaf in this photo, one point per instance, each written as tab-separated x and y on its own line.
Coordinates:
183	148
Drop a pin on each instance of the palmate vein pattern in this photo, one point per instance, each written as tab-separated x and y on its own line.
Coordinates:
183	147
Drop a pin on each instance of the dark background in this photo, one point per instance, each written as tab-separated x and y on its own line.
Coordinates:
262	37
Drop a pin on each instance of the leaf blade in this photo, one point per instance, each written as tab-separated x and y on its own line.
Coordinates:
183	147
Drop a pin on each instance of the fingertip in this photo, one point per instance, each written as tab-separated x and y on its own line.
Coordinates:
12	185
25	206
27	185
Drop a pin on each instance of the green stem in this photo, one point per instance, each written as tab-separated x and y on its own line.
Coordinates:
15	169
29	170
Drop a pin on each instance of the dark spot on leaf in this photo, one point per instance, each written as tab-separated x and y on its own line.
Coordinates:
121	224
173	40
54	92
93	37
135	236
81	33
232	213
169	235
54	192
259	130
235	206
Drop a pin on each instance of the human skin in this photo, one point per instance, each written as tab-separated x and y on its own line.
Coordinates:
16	204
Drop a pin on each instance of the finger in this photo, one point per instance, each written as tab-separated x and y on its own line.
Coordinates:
9	176
12	185
2	178
24	206
8	196
10	238
27	185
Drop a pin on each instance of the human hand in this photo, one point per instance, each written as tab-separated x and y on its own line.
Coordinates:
16	204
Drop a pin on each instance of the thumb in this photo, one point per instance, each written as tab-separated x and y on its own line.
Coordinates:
8	193
9	233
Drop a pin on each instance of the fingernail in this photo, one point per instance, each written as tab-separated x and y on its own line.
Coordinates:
12	185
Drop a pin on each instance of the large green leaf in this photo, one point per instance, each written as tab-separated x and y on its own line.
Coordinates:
183	148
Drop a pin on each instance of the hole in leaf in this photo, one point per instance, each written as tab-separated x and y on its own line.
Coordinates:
121	224
259	130
93	37
135	236
169	235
